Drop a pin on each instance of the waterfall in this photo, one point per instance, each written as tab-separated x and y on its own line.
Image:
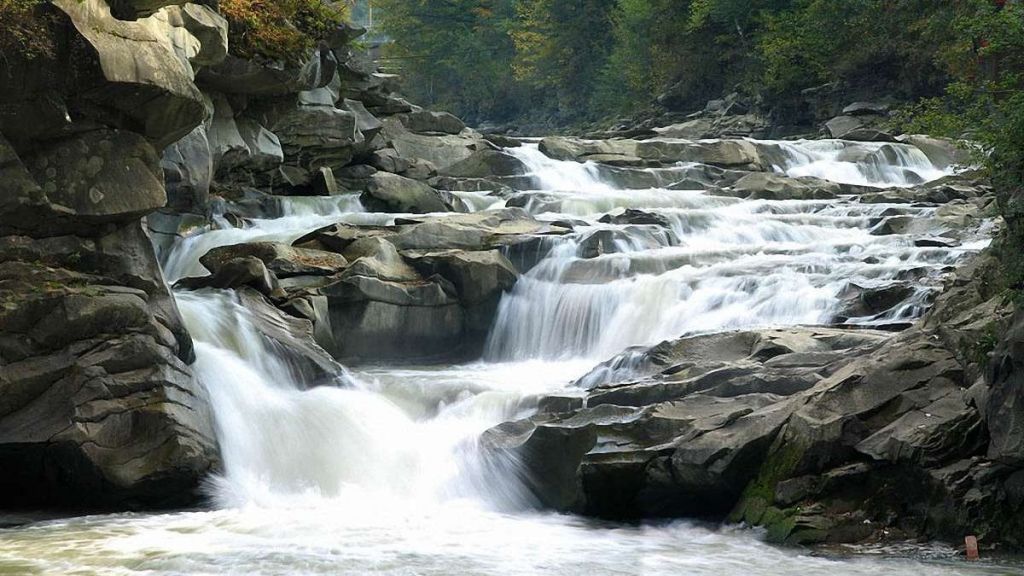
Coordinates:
728	263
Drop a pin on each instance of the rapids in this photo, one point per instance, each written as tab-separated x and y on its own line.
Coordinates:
380	474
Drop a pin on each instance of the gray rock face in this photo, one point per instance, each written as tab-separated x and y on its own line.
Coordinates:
238	76
425	289
766	186
394	193
100	408
148	84
427	122
283	260
486	164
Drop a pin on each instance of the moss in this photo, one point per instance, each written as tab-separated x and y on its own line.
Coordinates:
754	506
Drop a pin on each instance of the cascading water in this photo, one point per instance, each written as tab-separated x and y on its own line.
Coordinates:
727	264
379	473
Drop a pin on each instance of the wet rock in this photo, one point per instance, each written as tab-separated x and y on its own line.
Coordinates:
99	406
283	260
293	339
393	193
486	164
237	273
765	186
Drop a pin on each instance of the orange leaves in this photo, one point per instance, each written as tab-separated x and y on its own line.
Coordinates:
278	29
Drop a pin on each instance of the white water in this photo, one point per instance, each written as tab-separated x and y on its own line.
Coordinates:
380	475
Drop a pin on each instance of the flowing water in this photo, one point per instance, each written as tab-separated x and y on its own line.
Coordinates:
380	475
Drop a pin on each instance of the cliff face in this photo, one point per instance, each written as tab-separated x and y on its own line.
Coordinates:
100	407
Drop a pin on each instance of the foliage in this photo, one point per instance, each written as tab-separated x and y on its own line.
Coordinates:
25	29
282	30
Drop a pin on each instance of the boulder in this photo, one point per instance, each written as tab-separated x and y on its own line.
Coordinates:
393	193
148	80
427	122
317	136
486	164
292	338
441	151
188	172
240	76
100	177
766	186
99	406
281	259
942	152
866	109
237	273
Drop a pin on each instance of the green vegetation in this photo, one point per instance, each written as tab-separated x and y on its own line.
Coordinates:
280	30
579	60
25	30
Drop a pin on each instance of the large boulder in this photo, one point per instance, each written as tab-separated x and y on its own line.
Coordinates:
393	193
240	76
442	150
486	164
87	181
100	407
281	259
766	186
147	82
428	122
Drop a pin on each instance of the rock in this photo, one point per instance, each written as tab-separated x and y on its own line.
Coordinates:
236	273
188	172
840	126
427	122
477	276
317	136
392	193
486	164
292	338
765	186
99	408
1004	417
856	128
148	84
943	153
866	109
633	216
207	26
377	312
239	76
441	151
281	259
689	130
366	123
102	176
24	207
389	160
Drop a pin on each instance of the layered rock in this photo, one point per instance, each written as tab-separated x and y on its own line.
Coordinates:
101	408
820	435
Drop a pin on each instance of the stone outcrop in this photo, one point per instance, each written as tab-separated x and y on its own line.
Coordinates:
425	289
820	435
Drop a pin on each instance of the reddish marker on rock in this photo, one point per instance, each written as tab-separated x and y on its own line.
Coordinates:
972	547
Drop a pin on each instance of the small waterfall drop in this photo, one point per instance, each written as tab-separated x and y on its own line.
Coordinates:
727	264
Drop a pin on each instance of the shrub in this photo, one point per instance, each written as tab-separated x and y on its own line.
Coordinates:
280	30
